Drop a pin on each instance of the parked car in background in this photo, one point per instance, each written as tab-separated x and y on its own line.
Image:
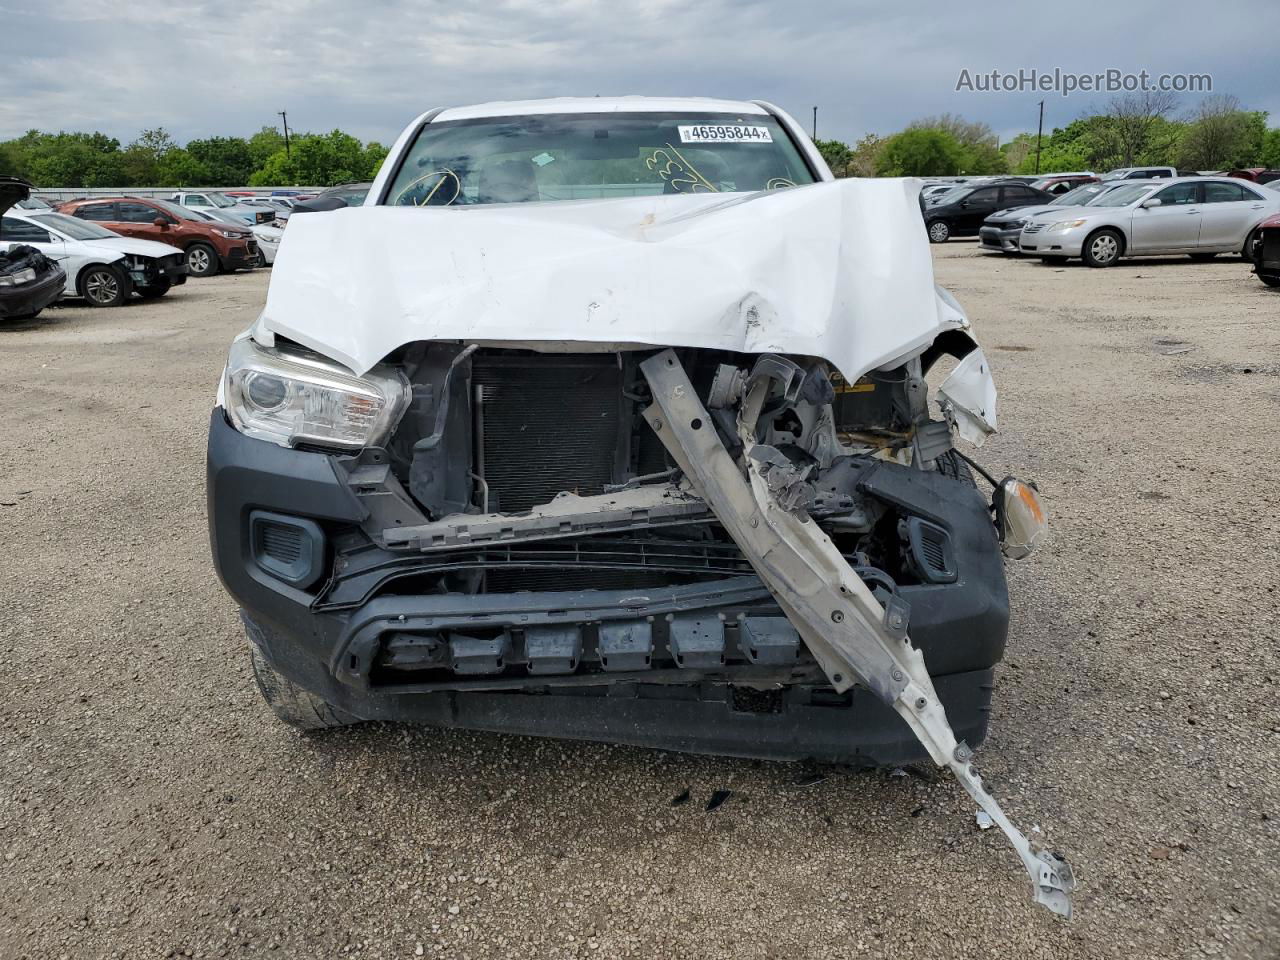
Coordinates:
960	212
29	281
1060	183
279	207
34	203
1001	230
344	195
209	246
1257	174
268	238
930	190
222	206
102	267
1198	216
1265	251
1139	173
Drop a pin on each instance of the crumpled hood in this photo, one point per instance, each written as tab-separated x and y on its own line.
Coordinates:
838	270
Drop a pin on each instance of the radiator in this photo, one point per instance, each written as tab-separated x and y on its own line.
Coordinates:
544	424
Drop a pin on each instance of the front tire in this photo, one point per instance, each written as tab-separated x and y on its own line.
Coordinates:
939	231
202	260
289	702
1103	248
102	285
1270	279
1246	251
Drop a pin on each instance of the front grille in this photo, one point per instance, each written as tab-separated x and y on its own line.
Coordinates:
1033	227
546	424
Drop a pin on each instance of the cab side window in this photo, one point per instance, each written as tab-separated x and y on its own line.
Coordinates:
1179	193
1218	192
97	211
195	200
19	231
138	213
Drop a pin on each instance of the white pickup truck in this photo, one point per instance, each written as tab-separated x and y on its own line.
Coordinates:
610	419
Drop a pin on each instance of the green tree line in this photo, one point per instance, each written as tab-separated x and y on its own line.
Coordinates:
154	159
1134	130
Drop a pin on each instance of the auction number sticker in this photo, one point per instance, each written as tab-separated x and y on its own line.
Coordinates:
724	133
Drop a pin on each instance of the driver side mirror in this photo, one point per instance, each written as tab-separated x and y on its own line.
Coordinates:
160	222
964	203
1152	202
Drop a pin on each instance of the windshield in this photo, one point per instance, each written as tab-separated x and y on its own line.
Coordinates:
220	200
1080	195
594	156
1120	196
954	195
174	210
75	228
1116	174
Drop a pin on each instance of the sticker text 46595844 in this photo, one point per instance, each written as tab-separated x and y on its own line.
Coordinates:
724	133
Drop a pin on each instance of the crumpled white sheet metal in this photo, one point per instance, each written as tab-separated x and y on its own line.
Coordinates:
969	395
837	270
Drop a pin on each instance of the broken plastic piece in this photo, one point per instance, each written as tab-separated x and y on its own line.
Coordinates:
968	397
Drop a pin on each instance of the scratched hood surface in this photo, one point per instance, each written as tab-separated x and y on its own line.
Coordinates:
838	270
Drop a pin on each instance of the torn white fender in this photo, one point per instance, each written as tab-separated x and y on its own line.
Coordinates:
850	634
968	397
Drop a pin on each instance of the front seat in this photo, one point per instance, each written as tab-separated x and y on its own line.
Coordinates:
507	181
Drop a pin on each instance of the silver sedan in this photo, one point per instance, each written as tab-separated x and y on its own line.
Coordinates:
1199	216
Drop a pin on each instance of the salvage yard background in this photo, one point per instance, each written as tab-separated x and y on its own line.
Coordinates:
151	806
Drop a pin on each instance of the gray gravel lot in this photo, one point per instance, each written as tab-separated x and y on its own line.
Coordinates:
150	805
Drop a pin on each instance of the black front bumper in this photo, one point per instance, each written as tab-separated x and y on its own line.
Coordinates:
27	299
960	627
999	239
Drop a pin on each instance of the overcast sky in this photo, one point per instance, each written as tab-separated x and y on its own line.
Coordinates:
204	68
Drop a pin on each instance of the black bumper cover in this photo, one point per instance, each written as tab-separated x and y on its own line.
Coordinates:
28	299
960	627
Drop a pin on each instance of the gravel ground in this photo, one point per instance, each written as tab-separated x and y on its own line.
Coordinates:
150	806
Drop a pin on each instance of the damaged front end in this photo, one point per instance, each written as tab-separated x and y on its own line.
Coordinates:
29	281
692	547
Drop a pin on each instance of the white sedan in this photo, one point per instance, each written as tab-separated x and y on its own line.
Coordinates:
102	267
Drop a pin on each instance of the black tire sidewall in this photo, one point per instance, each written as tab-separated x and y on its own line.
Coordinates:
213	260
122	284
1087	254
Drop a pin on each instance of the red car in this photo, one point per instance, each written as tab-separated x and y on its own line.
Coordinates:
1266	251
210	245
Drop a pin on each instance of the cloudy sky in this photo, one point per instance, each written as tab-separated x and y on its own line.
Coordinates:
205	68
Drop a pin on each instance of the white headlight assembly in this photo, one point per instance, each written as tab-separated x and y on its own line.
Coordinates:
298	397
